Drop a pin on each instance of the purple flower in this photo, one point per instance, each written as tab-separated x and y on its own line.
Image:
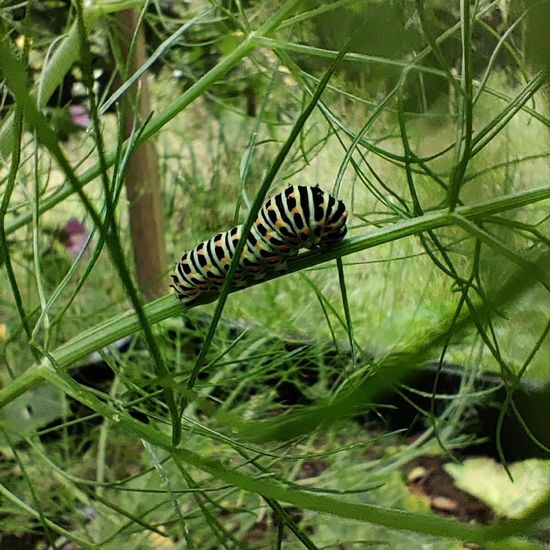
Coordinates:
79	115
76	236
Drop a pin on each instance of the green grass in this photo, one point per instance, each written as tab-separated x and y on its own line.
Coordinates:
447	258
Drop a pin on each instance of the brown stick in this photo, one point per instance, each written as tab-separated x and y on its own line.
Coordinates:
142	177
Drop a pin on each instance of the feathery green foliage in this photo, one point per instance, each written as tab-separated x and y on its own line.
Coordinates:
430	122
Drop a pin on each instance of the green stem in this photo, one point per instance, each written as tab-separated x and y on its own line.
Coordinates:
64	57
106	333
10	497
157	122
269	488
497	245
465	125
256	206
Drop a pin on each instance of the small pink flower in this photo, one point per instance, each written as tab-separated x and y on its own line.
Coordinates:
76	236
79	115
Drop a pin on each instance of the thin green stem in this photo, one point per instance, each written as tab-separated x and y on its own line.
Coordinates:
392	518
493	242
44	318
255	208
168	306
13	499
5	257
347	312
160	120
465	124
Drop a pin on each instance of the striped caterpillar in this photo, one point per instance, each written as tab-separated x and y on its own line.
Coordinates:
298	217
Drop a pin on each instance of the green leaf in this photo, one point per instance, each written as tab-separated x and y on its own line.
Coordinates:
488	481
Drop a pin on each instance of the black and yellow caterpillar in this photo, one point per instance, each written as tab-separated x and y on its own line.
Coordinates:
298	217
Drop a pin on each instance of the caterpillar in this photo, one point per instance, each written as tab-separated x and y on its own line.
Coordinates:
299	217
